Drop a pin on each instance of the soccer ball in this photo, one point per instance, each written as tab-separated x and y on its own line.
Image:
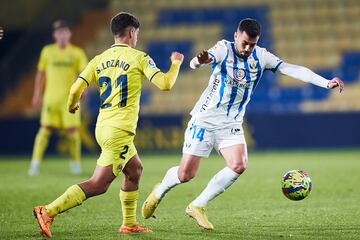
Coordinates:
296	185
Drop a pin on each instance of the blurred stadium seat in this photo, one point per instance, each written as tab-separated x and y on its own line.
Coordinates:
323	35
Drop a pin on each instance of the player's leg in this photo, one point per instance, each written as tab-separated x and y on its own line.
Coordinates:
74	196
129	196
174	176
236	161
232	146
73	136
71	123
186	171
40	145
50	119
198	143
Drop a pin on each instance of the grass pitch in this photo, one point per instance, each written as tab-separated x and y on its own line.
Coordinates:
252	208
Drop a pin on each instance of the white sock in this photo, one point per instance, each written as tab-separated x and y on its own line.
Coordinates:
170	180
35	163
217	185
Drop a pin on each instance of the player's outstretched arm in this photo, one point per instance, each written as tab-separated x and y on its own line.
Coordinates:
202	58
38	89
75	94
165	81
306	75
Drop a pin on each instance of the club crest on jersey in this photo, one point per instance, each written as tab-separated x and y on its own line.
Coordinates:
253	64
152	64
239	74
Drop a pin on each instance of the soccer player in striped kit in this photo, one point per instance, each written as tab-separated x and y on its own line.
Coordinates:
217	117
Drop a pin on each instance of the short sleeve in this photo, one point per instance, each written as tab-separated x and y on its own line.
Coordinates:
88	74
218	51
43	60
272	62
148	66
82	60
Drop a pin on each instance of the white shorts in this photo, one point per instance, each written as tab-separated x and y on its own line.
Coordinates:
200	142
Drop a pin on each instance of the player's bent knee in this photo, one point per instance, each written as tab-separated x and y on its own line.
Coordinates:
239	167
185	177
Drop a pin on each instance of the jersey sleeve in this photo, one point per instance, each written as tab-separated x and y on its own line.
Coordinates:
272	62
43	60
218	51
82	60
88	74
148	66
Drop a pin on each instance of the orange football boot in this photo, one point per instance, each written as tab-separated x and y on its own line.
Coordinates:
44	220
137	229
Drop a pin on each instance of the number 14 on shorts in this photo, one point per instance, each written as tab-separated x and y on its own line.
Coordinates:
197	133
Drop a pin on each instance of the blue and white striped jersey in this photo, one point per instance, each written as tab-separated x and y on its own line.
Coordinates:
232	82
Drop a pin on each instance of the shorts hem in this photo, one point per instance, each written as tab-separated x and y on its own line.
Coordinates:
197	155
231	144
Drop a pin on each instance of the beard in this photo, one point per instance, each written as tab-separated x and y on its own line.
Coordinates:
244	54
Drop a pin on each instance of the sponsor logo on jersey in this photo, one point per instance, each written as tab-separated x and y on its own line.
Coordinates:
152	64
239	74
210	95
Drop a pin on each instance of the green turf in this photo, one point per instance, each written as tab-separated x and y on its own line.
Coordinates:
253	208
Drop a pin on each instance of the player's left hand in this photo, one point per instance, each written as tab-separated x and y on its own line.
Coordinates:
74	109
336	82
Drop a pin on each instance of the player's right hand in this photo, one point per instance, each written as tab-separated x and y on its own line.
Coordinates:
176	56
204	57
74	109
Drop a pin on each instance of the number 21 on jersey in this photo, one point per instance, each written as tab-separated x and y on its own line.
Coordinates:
121	82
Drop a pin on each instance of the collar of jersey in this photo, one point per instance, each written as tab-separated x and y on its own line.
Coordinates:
119	45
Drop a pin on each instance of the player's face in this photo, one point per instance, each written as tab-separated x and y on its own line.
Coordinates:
62	36
134	32
244	44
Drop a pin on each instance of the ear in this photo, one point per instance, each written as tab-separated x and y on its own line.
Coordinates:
236	35
131	32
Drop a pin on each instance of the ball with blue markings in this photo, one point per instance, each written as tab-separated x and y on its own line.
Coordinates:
296	185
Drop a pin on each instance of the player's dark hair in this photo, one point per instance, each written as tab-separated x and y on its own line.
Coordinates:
120	22
250	26
60	23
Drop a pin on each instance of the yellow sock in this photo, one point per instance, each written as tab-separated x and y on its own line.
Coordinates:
72	197
41	142
75	145
128	206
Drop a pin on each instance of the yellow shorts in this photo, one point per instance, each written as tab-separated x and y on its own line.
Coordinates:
117	147
58	116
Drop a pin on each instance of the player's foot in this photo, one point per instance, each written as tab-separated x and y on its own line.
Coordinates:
34	168
75	168
150	204
137	229
198	213
44	220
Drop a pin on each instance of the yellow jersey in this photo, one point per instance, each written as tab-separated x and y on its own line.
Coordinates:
61	68
118	73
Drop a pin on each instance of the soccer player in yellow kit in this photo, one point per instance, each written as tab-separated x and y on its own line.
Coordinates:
58	67
118	73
